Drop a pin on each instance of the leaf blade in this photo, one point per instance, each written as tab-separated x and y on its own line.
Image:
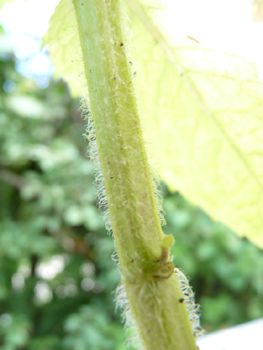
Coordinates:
64	46
205	141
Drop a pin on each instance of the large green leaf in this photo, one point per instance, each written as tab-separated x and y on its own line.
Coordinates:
201	113
64	46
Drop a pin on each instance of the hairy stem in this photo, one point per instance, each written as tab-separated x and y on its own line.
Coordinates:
147	273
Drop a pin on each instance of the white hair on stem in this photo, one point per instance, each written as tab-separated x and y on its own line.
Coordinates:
192	309
121	296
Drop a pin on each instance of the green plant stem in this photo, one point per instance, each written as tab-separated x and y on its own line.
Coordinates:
153	292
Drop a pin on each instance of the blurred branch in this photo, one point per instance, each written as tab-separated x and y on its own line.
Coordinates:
34	260
75	244
12	179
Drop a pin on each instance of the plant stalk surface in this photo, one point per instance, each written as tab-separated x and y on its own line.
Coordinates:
147	272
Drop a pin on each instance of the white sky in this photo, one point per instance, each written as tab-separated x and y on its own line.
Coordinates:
29	17
247	336
26	23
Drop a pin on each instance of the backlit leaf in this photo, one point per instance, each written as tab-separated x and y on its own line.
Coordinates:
257	10
64	46
201	113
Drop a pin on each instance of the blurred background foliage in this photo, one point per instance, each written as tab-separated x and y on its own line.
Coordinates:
57	279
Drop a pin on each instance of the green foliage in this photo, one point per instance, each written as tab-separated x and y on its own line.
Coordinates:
90	329
48	213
